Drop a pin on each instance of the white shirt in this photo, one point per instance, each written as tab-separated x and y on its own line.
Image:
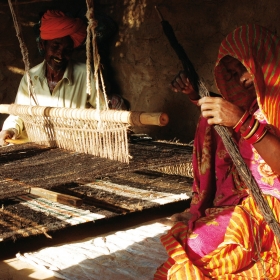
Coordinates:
70	92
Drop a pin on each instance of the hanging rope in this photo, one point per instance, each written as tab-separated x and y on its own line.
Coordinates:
93	57
24	53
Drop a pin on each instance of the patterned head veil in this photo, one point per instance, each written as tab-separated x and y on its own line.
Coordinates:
259	51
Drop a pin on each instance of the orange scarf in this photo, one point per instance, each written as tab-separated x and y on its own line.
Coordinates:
259	51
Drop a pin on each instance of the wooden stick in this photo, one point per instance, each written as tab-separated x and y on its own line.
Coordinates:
17	141
90	200
57	197
129	117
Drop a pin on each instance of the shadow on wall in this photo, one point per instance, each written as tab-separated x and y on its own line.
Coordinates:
144	65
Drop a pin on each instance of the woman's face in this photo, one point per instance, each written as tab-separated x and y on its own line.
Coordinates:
237	71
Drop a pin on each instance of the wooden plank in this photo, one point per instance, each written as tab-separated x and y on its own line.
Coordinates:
57	197
17	141
90	200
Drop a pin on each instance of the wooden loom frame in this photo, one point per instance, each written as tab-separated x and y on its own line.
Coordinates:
79	129
101	133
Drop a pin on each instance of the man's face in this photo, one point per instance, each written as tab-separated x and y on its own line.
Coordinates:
58	52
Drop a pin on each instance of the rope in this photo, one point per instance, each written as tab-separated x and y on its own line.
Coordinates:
24	53
93	56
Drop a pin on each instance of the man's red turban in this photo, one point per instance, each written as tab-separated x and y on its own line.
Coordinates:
55	24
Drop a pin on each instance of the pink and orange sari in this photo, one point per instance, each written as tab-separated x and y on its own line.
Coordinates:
228	238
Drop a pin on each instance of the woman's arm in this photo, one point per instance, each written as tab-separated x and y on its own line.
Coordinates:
268	148
222	112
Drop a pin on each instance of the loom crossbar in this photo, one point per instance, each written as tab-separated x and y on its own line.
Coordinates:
126	117
90	131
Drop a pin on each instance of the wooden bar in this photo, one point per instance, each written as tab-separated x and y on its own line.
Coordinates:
57	197
126	117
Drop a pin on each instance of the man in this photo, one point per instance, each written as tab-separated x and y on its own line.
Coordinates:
58	81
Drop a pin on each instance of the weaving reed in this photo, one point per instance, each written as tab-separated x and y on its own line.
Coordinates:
100	133
181	168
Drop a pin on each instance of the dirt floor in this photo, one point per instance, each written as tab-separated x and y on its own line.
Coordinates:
14	268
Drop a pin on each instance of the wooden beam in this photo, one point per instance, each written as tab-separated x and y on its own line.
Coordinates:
90	200
17	141
57	197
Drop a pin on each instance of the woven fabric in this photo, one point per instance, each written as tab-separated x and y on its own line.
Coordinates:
249	243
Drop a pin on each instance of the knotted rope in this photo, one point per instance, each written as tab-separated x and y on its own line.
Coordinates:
93	56
24	53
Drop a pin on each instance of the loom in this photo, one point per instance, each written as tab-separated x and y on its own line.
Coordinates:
100	133
93	131
29	165
40	174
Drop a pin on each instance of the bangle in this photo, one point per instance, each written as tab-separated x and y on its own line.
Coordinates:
246	132
262	135
252	107
241	121
253	130
259	134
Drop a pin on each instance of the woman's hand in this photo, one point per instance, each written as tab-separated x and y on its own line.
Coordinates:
182	84
220	111
181	217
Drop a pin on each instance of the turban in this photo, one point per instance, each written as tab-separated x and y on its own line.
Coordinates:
55	24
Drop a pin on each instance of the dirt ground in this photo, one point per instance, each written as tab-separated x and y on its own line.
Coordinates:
14	268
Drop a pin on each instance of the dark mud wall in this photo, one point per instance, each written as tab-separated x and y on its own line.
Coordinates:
137	57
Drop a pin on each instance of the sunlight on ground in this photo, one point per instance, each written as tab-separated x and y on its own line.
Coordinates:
109	253
13	269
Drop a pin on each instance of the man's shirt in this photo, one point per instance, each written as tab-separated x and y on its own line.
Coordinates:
70	92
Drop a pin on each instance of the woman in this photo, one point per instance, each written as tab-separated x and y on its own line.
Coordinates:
223	235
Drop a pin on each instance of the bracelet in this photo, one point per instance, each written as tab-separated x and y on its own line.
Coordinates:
261	137
253	130
246	132
259	134
251	109
241	121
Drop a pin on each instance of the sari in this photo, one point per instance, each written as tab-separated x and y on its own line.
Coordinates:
227	236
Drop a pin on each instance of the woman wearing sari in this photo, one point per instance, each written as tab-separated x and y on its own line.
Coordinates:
223	235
